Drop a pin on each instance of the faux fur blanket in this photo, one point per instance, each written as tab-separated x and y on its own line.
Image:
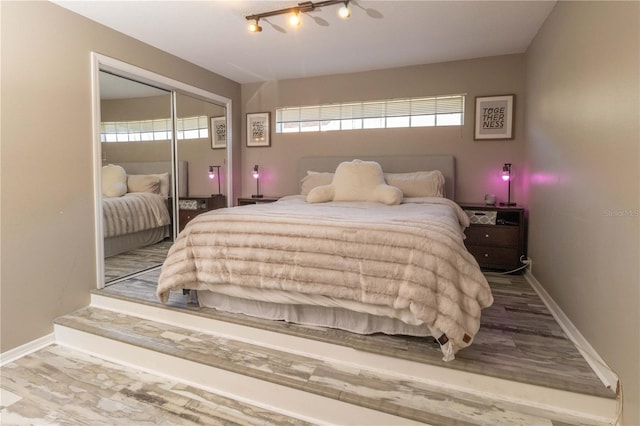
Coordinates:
134	212
407	256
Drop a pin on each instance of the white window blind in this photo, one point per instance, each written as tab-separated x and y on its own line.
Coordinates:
154	130
414	112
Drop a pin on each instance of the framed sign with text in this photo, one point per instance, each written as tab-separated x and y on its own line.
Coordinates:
494	117
258	133
218	132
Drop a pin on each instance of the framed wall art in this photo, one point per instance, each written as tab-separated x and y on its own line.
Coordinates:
259	129
494	117
218	132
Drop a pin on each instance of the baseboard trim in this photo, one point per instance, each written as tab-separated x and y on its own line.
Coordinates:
599	366
32	346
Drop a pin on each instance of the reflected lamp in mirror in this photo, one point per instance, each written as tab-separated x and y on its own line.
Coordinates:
255	173
214	173
506	176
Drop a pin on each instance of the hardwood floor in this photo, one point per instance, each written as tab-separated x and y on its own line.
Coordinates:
131	262
519	341
57	385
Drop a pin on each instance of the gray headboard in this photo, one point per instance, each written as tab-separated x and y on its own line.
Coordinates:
390	164
150	167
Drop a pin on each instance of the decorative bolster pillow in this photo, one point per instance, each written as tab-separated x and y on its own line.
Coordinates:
321	194
357	180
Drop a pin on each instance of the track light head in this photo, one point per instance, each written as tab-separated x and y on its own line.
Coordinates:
294	19
255	27
344	12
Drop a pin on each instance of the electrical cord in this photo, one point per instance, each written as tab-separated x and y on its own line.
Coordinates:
513	270
527	263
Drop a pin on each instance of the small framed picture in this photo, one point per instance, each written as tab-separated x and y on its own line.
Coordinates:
218	132
494	117
258	129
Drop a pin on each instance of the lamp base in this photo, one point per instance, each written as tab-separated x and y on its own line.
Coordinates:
257	196
510	204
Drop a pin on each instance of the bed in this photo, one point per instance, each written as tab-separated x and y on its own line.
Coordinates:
136	204
365	265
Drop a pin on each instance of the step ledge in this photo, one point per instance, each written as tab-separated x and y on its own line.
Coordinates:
523	397
267	395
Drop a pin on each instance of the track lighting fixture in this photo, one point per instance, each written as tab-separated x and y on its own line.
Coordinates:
304	7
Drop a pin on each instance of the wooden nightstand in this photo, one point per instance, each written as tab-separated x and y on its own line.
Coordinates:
190	207
496	236
245	201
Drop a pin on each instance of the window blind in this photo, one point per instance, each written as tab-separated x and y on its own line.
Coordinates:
330	116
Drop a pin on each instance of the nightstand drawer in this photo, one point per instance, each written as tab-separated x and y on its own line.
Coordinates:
490	235
495	257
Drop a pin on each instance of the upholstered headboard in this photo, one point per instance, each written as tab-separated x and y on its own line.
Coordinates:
150	167
390	164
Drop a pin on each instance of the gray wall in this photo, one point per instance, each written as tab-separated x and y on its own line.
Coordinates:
582	155
478	163
47	229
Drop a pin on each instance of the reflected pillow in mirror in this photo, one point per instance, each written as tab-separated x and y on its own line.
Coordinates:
114	181
164	183
143	183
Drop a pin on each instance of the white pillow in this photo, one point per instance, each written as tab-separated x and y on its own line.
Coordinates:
143	183
114	181
164	183
418	184
314	179
357	180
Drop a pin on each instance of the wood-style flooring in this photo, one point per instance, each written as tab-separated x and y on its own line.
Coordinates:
60	386
134	261
518	339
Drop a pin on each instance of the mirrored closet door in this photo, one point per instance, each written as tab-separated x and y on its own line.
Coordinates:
161	157
202	155
136	132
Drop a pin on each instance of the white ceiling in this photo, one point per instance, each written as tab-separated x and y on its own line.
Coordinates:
379	34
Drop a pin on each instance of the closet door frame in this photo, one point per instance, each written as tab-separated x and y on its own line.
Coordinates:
101	62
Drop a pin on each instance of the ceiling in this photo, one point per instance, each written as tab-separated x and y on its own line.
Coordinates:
379	34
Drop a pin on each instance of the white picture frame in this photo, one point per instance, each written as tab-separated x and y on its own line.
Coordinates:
218	132
494	117
259	129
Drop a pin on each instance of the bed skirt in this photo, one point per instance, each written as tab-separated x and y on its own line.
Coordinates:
128	242
322	316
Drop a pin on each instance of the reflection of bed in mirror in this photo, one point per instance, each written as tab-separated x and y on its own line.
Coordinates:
139	214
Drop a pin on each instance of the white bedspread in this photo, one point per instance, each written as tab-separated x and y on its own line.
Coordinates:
134	212
409	256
